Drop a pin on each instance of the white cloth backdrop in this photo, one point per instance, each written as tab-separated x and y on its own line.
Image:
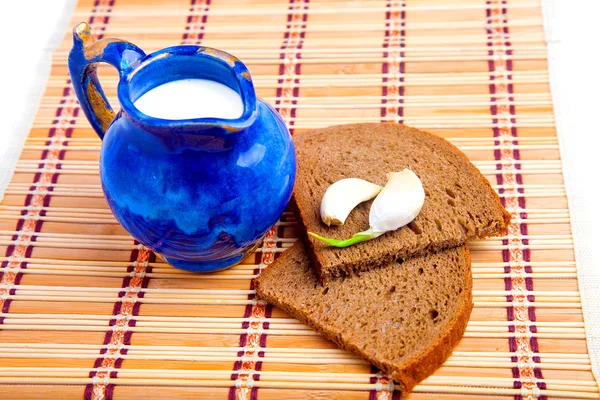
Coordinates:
31	30
574	64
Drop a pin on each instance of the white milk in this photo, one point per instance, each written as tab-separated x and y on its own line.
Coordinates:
191	98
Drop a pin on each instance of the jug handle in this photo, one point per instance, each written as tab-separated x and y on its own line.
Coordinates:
83	64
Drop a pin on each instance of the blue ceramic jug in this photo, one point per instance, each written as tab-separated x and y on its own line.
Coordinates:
200	192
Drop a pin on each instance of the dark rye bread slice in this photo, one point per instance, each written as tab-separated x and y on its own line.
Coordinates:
460	204
405	319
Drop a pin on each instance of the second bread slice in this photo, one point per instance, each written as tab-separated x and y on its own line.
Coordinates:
405	319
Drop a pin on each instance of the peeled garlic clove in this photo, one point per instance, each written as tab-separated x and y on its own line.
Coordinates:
343	196
399	202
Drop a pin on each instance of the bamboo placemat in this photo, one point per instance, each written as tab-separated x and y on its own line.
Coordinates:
86	311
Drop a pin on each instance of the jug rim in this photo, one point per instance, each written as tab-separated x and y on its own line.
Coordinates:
191	125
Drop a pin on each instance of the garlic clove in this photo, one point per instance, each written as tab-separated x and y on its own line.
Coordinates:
398	203
343	196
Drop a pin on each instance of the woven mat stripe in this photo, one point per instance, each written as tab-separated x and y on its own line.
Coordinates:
528	376
246	369
392	92
40	192
255	313
384	386
118	337
288	92
393	68
196	22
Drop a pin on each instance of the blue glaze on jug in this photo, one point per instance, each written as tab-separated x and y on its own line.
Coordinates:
200	192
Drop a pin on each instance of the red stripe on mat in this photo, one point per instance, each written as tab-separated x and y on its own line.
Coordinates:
393	68
247	368
118	336
290	68
517	256
392	91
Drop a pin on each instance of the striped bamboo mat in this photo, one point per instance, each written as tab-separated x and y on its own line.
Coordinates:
88	312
